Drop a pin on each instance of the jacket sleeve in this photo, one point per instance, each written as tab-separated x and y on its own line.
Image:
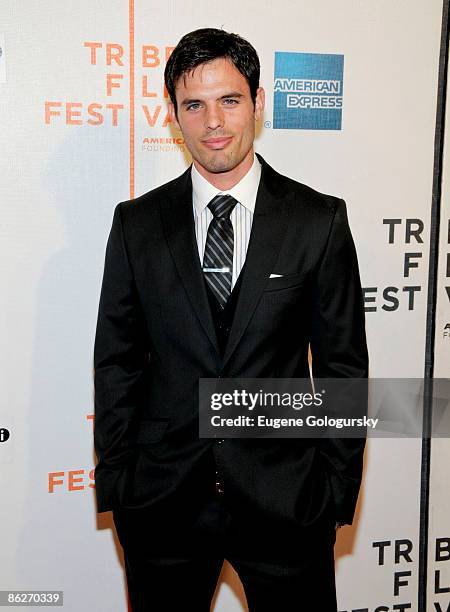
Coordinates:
120	360
339	350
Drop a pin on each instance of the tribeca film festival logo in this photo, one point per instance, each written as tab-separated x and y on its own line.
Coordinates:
110	61
397	556
405	296
308	90
400	297
72	480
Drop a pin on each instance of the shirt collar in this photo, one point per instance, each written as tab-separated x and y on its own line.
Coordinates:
244	191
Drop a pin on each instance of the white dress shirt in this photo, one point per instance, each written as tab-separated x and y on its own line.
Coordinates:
241	216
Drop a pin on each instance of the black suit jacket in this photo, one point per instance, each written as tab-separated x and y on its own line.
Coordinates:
155	338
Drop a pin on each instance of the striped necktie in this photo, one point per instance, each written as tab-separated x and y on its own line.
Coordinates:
218	257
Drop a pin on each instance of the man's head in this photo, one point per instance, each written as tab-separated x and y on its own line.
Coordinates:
213	82
206	45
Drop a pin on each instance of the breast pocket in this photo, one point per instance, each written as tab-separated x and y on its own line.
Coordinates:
285	282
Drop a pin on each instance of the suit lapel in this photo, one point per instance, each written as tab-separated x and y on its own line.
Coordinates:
270	222
269	226
178	221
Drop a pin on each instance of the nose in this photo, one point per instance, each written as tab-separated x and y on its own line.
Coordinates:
214	117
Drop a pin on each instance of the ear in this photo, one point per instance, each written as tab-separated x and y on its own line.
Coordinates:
173	115
260	101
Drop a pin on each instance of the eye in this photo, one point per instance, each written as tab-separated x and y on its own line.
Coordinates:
194	106
230	101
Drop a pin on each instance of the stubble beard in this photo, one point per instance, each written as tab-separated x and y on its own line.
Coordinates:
219	164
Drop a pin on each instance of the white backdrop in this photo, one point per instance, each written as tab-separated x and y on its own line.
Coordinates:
65	163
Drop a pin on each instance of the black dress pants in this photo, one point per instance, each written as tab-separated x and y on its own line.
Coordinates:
173	559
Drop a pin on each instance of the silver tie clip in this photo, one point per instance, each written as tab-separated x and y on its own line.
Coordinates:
216	269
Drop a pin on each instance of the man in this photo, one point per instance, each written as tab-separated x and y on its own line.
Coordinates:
200	284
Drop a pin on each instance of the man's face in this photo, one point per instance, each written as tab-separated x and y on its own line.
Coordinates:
217	116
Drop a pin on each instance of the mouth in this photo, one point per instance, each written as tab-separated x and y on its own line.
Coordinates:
217	143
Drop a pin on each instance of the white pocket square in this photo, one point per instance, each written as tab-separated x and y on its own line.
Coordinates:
275	275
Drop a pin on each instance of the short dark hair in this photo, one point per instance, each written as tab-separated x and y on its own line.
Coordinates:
205	45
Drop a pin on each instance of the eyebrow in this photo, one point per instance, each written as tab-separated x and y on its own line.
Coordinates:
234	94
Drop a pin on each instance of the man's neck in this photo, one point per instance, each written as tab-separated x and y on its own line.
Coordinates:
227	180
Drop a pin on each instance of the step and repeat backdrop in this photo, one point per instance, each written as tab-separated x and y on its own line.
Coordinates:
439	528
84	125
